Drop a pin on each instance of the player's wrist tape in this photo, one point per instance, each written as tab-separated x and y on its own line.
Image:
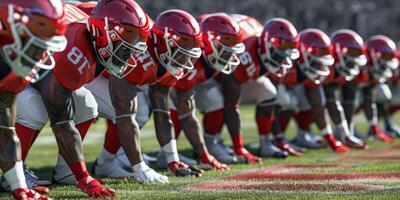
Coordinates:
15	176
170	151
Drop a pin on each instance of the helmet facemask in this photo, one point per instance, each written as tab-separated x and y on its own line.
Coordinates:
224	58
279	60
29	53
383	65
350	63
118	56
316	67
177	59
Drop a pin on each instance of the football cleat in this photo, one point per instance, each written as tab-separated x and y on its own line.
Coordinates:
308	139
267	149
284	146
27	194
245	156
124	162
393	131
218	149
345	136
207	161
30	175
110	169
335	145
94	189
178	168
376	132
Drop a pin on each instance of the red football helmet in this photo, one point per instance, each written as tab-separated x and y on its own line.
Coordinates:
315	54
382	57
119	29
30	31
349	53
222	41
177	39
279	45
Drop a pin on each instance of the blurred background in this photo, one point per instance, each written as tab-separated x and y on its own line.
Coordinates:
367	17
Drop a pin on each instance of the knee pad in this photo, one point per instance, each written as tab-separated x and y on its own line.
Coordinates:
31	111
85	105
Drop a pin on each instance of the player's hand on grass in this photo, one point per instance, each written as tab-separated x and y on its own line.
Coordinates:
178	168
144	174
94	189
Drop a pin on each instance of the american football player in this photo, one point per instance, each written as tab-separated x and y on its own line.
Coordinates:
312	69
267	50
382	60
106	39
222	41
30	32
173	48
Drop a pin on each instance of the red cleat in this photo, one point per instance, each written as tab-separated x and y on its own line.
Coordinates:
246	156
377	132
27	194
94	189
335	145
207	161
286	147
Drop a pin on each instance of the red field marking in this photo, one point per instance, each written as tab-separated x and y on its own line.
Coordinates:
279	186
297	178
390	153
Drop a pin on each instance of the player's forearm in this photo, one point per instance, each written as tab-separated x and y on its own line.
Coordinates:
233	121
69	141
369	106
318	110
192	130
128	134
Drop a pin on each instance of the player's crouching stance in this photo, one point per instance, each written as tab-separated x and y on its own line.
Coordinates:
382	60
30	31
173	48
105	40
222	40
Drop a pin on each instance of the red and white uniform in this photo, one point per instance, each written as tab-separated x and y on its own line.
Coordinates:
147	72
250	73
75	67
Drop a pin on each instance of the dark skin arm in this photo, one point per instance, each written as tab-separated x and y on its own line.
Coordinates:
369	105
123	96
159	102
315	99
60	108
9	143
333	104
349	90
185	104
231	91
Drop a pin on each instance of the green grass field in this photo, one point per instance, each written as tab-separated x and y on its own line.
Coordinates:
42	159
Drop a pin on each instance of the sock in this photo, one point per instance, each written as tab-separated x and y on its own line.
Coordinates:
304	119
283	123
104	156
213	122
344	127
111	140
373	121
79	170
237	141
327	130
170	151
26	137
15	176
264	124
83	127
175	121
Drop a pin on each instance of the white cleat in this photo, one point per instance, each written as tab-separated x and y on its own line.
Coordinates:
218	149
144	174
32	177
124	162
110	169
